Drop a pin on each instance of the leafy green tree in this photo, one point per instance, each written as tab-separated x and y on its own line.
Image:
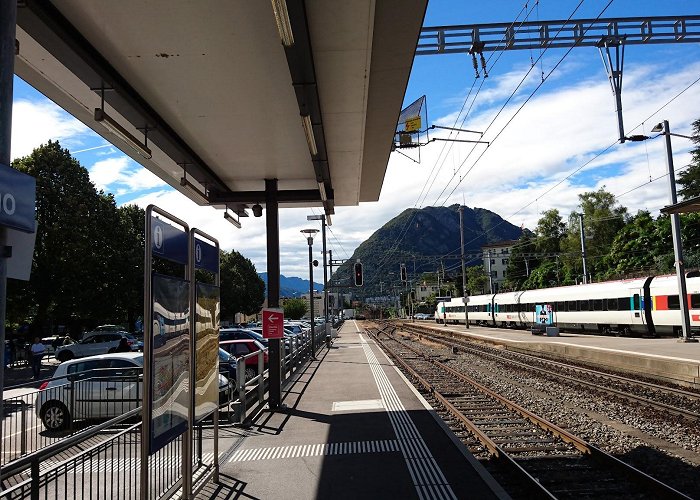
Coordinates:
603	218
72	281
638	247
295	308
550	230
522	259
129	244
689	179
544	276
242	290
477	281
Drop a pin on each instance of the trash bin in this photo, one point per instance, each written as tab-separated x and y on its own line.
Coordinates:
552	331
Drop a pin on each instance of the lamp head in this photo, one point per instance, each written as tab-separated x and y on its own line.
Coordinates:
309	233
257	210
659	127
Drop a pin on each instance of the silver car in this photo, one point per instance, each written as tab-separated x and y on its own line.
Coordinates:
93	387
97	387
93	343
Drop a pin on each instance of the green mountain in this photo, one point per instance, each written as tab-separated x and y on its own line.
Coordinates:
426	238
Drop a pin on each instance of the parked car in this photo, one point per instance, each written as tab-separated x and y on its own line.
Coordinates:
238	348
289	337
96	387
227	365
240	334
94	343
423	316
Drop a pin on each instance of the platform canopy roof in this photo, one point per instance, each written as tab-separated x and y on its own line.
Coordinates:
205	95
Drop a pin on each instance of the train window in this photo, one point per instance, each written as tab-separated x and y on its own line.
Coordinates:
635	301
673	302
571	305
560	306
597	304
623	304
695	301
583	305
610	304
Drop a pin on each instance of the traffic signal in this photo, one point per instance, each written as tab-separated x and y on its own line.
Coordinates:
358	274
404	276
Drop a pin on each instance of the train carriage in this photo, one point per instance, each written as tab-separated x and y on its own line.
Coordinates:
480	310
665	304
646	306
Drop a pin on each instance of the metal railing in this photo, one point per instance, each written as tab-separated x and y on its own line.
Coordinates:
87	460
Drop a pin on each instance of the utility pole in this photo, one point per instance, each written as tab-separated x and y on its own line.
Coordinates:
465	297
583	248
677	243
527	267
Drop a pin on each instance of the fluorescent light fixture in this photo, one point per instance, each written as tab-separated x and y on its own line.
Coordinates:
328	220
102	117
309	133
279	7
231	219
314	217
322	190
194	190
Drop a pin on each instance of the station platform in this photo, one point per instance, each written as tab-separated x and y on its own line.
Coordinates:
664	359
354	427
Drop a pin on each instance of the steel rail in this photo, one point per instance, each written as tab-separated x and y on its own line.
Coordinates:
584	447
494	449
691	415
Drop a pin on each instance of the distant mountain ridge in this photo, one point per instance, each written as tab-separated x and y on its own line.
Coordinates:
292	286
424	236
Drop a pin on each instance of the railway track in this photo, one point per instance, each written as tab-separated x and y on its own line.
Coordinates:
548	461
678	402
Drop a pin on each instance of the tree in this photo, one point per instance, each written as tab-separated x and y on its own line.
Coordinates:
603	218
476	280
521	262
295	308
129	258
641	246
242	290
72	281
550	230
689	179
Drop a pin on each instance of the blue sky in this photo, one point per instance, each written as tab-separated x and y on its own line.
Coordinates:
560	144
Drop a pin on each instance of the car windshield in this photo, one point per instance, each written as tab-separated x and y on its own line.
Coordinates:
224	357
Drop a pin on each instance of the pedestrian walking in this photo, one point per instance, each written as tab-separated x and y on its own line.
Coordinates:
37	349
123	345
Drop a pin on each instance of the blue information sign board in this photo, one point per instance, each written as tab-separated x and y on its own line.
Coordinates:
17	199
169	242
205	256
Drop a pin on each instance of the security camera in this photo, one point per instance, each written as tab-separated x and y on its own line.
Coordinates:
257	210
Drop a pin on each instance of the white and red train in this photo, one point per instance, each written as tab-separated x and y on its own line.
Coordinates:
642	306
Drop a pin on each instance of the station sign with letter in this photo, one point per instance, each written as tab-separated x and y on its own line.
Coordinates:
206	256
273	323
17	199
169	242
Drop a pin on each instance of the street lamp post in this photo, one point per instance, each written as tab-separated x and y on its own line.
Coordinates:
310	240
322	218
664	129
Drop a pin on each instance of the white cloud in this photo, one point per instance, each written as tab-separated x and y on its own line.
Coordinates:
123	176
36	122
557	132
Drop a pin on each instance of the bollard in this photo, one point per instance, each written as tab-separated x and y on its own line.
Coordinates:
328	341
